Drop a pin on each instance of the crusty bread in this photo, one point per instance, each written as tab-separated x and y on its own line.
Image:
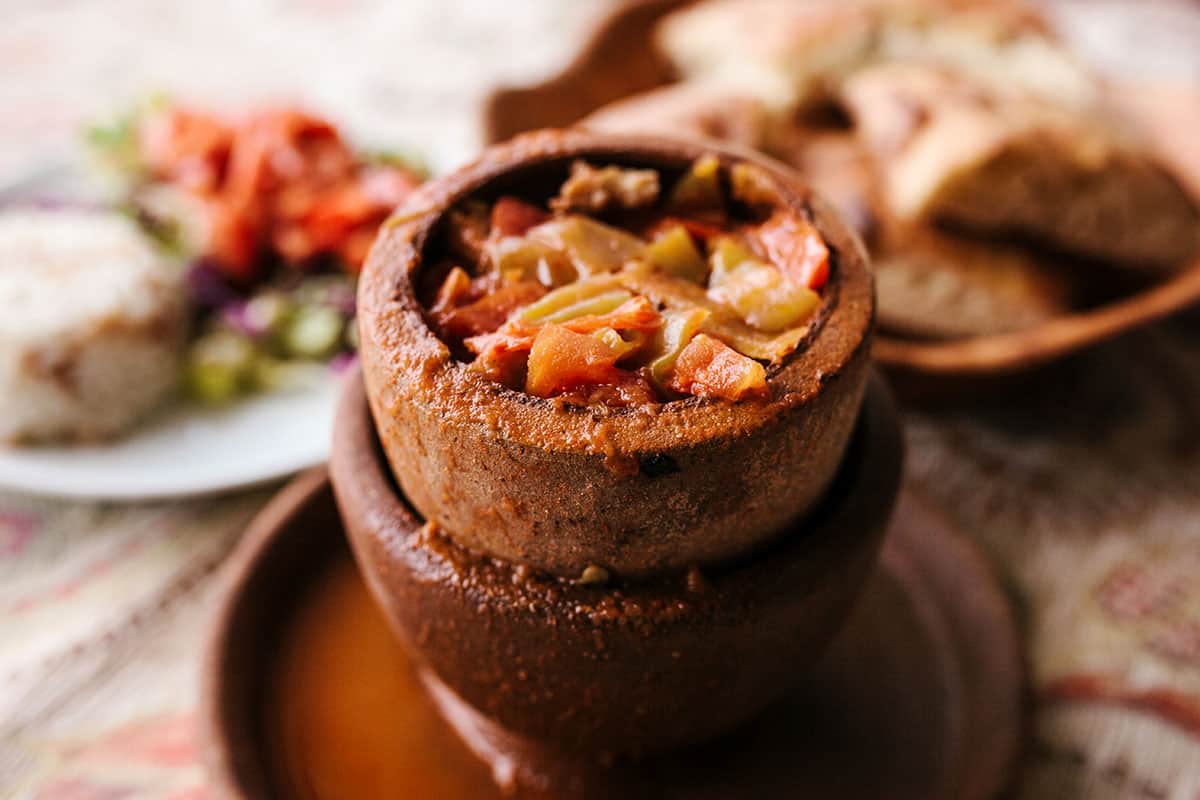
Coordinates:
938	285
92	327
928	283
950	149
792	53
687	109
782	51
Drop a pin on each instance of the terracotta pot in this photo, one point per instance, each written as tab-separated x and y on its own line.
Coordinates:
546	484
636	666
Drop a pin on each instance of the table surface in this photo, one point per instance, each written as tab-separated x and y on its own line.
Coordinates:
1084	487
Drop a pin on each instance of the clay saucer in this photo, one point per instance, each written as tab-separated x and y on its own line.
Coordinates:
307	695
620	60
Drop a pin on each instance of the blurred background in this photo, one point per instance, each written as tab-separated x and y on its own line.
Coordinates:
103	604
395	74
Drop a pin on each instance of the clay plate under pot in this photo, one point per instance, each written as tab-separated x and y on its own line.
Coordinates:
631	490
919	697
620	60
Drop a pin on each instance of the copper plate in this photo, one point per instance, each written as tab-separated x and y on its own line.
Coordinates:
919	697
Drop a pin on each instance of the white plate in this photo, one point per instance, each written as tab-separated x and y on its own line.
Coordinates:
188	450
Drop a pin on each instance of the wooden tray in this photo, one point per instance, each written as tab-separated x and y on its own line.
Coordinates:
919	697
620	60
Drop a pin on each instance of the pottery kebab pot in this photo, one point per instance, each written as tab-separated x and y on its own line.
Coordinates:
733	537
559	487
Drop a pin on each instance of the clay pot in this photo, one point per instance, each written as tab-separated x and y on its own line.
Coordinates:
634	666
542	483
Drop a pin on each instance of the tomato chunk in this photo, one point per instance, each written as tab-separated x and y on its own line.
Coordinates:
796	247
488	312
562	359
512	216
708	367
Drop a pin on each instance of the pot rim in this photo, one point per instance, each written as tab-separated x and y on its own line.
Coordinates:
405	358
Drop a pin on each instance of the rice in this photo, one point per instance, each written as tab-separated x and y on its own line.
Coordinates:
92	323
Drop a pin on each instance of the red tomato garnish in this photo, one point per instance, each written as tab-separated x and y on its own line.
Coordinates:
796	247
186	147
707	367
512	216
279	181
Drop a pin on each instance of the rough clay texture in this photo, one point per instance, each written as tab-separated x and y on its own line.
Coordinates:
635	666
635	491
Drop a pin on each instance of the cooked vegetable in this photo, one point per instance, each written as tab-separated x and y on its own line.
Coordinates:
673	251
796	248
569	296
563	359
522	258
700	186
594	306
678	329
625	321
489	311
726	255
710	368
764	298
220	365
313	332
592	246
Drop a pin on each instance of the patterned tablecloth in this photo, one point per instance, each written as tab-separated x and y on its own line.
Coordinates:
1084	487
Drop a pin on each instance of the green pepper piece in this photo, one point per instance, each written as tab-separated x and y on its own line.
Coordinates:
567	296
753	185
594	306
700	186
674	252
764	298
593	247
726	254
677	330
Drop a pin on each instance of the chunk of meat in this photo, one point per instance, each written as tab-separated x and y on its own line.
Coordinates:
595	189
